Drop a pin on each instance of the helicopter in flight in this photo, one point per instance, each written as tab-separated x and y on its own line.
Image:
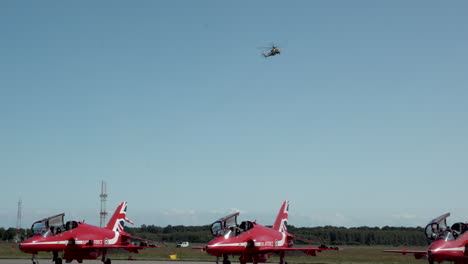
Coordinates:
273	50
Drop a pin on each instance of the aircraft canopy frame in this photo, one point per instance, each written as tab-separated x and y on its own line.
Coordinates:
222	226
47	225
437	228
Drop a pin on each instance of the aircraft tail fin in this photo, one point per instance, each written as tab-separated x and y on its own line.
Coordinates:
282	218
116	223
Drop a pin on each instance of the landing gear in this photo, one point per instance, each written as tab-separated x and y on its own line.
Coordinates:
34	260
55	258
105	259
282	261
225	259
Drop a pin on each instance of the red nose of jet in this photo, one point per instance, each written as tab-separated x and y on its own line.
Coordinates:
211	248
445	251
27	246
437	256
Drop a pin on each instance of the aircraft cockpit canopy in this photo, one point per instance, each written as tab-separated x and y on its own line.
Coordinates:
228	227
438	229
52	226
48	226
223	225
70	225
459	228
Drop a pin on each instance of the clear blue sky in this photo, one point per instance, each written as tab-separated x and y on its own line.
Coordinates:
362	120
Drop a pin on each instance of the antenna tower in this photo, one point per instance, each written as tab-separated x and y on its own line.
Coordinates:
18	222
18	216
103	196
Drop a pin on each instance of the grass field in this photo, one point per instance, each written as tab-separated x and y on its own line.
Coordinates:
350	255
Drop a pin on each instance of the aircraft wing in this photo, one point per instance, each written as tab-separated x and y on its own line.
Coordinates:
312	251
128	243
418	254
116	248
138	241
137	244
200	248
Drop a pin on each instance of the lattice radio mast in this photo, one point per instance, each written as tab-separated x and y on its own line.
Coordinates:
18	216
103	196
18	222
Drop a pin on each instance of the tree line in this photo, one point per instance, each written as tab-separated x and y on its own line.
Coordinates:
368	236
329	235
8	234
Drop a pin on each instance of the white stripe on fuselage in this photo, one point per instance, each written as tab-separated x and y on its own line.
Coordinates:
244	244
114	240
449	249
257	244
111	241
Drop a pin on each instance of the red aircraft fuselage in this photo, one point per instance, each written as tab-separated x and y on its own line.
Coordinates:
449	243
254	242
249	243
78	241
455	250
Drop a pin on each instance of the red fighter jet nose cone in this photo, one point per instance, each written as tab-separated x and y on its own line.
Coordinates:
28	246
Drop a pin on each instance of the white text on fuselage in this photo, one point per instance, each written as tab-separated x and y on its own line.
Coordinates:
266	244
101	242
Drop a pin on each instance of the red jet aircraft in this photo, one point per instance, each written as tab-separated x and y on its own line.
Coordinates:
448	243
77	240
253	242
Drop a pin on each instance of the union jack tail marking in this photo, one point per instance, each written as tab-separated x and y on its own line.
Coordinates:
282	218
117	222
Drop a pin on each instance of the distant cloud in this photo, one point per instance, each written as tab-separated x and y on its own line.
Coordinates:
358	218
177	216
404	216
322	219
178	212
228	211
